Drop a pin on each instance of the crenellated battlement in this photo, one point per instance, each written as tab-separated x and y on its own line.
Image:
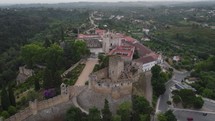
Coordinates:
36	106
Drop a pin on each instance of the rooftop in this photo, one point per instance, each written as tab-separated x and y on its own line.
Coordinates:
129	39
145	59
100	32
123	51
142	50
85	36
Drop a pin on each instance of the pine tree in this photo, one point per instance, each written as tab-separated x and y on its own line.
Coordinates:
94	114
47	43
106	114
56	80
11	96
36	85
62	34
5	101
47	79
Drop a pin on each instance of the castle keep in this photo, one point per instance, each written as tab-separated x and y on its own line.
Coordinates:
116	79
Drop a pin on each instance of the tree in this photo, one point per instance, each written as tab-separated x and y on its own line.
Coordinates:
159	88
51	79
188	98
47	79
94	115
54	57
124	111
208	93
144	117
141	107
5	100
75	114
8	75
32	53
62	34
47	43
116	118
81	48
176	99
32	95
11	96
156	71
56	79
36	85
5	114
12	110
106	114
162	117
170	116
158	80
198	102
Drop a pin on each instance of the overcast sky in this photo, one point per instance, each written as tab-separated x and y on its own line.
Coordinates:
64	1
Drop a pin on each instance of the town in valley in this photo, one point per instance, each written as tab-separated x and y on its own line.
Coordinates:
107	61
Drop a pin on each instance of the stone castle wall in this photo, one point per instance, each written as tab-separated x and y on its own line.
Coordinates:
101	73
116	90
35	106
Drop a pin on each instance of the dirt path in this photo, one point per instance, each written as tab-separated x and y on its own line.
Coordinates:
84	76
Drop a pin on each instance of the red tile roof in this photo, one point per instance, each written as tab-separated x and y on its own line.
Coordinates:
100	31
129	39
145	59
84	36
125	51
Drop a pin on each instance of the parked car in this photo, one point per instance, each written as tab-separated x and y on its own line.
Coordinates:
204	114
189	119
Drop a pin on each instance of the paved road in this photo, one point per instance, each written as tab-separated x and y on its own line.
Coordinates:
181	114
91	17
209	106
84	76
177	76
197	116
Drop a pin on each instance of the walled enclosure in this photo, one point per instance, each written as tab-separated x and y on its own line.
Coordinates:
35	106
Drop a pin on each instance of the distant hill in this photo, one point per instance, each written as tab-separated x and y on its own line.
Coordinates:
105	5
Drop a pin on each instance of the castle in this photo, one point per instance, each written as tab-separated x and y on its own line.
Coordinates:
115	80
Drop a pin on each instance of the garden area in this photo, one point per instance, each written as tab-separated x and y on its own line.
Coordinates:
73	75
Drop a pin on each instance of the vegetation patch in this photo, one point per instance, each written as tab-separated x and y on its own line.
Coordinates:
187	98
74	74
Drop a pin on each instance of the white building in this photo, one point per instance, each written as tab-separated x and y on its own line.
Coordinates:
146	31
145	63
176	58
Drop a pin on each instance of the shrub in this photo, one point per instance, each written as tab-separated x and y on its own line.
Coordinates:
198	102
49	93
11	110
5	114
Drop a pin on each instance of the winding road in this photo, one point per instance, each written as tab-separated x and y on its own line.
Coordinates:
183	114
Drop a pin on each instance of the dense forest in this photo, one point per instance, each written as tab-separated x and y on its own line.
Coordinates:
21	26
32	37
205	72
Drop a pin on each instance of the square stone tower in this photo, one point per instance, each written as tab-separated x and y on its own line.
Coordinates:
106	43
116	67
